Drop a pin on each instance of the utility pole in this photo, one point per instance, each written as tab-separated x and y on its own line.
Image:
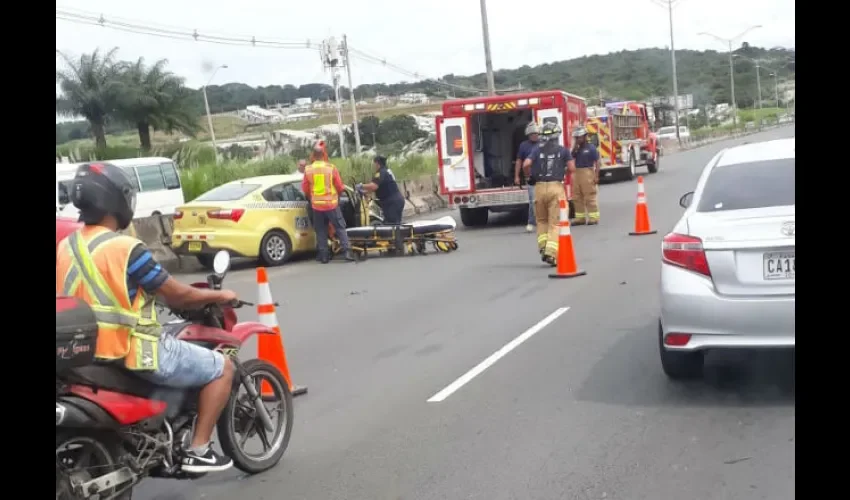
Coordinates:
207	106
488	61
330	60
675	75
729	42
356	124
775	87
758	85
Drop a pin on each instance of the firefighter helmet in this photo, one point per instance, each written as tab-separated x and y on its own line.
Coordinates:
532	128
551	131
579	131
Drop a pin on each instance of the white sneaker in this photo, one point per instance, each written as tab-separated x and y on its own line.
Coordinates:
529	228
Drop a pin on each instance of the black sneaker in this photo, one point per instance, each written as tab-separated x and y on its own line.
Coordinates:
207	462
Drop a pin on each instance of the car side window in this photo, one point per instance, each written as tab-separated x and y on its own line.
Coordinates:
169	173
150	177
291	192
274	193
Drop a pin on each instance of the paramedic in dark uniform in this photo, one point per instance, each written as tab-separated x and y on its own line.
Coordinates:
585	180
386	189
549	163
532	131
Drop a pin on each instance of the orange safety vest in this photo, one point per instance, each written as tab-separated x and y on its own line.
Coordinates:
91	264
323	194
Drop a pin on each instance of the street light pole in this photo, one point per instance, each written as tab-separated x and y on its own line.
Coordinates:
675	74
207	106
729	42
488	61
775	87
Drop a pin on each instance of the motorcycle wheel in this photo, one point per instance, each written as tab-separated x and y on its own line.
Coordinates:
80	453
239	421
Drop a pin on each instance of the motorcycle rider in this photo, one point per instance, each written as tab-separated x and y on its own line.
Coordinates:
119	278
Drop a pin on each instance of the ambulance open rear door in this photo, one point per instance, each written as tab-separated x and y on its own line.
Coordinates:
551	115
455	158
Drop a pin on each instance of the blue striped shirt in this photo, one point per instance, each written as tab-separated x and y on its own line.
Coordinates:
144	272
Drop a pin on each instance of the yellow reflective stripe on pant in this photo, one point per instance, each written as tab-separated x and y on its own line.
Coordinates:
581	215
541	240
552	248
593	215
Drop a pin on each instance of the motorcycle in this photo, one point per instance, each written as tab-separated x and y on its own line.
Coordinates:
114	429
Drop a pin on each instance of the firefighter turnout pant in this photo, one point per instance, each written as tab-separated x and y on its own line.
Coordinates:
547	206
585	193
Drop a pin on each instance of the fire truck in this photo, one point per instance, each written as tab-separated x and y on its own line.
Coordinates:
622	132
477	143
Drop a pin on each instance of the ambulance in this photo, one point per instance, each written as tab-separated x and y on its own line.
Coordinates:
477	143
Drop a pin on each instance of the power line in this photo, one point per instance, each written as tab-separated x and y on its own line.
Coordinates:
184	34
363	56
194	35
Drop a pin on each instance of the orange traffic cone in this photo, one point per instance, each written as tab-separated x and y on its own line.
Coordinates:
566	267
270	347
641	212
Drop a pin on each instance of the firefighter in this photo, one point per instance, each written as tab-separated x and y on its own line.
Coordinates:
548	164
532	131
585	180
323	185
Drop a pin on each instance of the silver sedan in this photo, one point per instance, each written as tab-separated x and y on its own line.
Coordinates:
728	267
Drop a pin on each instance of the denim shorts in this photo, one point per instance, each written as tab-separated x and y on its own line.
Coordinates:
183	365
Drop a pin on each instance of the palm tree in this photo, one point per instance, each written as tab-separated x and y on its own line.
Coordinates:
90	88
153	97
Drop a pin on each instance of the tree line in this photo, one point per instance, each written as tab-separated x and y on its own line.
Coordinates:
113	94
627	74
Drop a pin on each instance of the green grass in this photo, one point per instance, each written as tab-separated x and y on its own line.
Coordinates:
765	114
229	126
205	176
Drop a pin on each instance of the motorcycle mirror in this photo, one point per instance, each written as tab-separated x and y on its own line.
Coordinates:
221	262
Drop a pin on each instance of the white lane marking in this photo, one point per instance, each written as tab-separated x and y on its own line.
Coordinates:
496	356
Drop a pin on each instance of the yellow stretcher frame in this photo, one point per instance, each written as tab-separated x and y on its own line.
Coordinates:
402	241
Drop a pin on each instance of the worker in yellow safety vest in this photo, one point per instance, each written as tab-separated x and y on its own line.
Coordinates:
323	185
119	278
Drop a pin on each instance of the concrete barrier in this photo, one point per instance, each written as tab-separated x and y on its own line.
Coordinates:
422	195
155	232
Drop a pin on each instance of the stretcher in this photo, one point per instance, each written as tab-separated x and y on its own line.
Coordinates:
402	239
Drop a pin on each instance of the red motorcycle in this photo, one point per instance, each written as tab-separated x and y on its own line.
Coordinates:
113	429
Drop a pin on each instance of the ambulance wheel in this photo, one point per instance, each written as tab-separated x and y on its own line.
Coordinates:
275	248
652	165
472	217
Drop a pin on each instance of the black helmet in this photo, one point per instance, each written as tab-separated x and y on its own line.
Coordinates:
551	131
101	189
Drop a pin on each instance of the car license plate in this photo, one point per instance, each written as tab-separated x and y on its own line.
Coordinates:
780	266
196	246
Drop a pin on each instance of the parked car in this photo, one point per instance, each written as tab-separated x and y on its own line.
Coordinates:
728	267
260	217
669	133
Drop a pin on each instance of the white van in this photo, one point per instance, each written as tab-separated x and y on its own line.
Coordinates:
156	179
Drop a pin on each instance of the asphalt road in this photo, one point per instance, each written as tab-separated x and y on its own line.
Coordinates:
579	410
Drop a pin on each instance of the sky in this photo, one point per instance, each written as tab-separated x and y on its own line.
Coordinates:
444	37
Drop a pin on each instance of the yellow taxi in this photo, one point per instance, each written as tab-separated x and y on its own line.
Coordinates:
261	218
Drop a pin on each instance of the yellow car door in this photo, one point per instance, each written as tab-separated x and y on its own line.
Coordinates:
293	216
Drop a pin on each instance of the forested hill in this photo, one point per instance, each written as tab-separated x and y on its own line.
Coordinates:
628	74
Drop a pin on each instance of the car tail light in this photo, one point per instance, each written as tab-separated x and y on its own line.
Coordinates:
233	214
677	339
178	215
685	252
